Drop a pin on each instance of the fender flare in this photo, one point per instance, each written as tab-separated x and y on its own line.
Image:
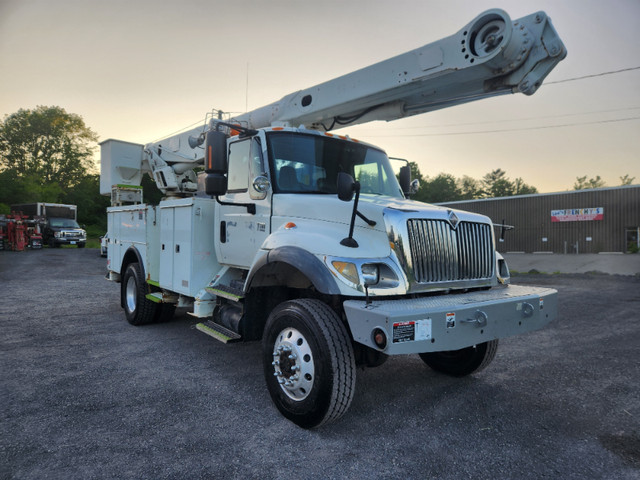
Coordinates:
301	260
127	255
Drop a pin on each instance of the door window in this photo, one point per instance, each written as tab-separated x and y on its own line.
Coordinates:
239	153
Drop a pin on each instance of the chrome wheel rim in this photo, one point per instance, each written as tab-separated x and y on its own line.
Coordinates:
293	364
130	294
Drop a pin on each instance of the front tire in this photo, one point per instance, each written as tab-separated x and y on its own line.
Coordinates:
459	363
309	362
137	308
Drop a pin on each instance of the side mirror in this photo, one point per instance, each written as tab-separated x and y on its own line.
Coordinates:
260	186
215	163
215	152
415	186
215	185
405	179
346	187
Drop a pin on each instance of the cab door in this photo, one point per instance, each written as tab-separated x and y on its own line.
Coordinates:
240	233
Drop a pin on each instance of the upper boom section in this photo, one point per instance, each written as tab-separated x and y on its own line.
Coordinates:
490	56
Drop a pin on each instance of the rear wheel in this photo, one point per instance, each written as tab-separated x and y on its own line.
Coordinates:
137	308
309	363
459	363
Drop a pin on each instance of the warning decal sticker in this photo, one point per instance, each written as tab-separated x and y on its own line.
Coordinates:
451	320
404	332
412	331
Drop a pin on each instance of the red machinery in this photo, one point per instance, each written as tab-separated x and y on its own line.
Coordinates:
22	233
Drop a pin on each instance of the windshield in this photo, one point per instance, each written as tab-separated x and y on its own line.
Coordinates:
304	163
63	223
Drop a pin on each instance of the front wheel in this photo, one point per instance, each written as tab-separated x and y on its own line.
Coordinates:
309	362
459	363
138	309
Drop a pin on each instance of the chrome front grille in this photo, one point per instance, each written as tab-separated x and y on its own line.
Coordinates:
440	253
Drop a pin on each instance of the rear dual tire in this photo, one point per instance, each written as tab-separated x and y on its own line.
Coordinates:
138	309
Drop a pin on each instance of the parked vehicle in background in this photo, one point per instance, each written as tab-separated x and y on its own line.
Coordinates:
64	231
103	245
57	221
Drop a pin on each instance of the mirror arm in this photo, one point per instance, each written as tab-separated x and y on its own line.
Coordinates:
371	223
350	241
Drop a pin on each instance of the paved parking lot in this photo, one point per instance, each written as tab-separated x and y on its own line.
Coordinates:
86	395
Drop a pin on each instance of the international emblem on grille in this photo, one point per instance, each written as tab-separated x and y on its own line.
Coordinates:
453	219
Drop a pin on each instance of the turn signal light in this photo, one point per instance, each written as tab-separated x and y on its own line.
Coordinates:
347	270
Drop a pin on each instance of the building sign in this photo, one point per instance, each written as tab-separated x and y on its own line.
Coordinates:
577	214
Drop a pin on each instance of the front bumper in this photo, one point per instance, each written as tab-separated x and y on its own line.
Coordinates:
451	322
69	241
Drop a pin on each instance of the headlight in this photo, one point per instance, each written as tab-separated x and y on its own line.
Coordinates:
503	274
359	273
347	270
57	234
370	274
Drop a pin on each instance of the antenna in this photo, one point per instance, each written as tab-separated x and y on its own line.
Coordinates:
246	93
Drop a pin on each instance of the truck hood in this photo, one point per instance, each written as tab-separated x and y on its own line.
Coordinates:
318	223
328	208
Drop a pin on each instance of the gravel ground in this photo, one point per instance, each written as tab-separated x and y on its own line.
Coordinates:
85	395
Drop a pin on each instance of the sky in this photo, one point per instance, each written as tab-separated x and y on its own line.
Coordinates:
141	70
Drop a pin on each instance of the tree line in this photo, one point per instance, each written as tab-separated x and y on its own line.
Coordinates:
47	155
445	187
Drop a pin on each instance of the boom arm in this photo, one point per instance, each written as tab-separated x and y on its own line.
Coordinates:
490	56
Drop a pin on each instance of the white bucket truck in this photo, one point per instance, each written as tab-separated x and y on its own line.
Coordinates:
306	240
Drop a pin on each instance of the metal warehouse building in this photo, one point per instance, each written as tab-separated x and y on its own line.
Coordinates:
582	221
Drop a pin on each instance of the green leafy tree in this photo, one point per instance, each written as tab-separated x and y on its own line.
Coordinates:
470	188
91	205
627	180
46	146
447	188
582	183
150	190
442	188
496	184
521	188
415	172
